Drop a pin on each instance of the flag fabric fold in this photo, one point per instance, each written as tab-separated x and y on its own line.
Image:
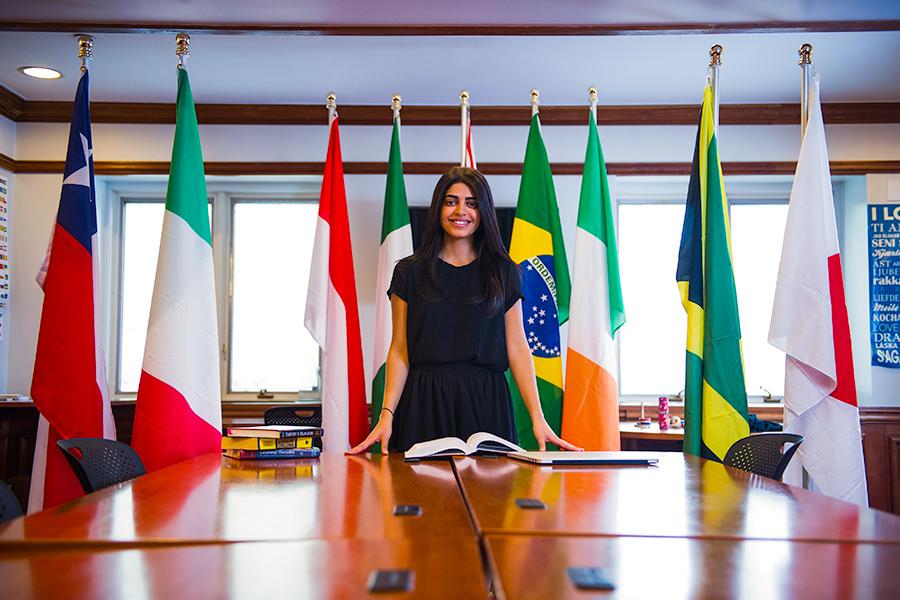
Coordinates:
332	313
715	394
396	243
179	412
537	248
470	148
69	385
810	325
591	408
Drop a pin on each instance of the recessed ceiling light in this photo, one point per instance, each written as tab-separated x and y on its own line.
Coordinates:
41	72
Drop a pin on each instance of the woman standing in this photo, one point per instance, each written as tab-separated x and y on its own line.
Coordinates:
457	326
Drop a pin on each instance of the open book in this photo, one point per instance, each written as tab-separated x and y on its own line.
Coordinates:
453	446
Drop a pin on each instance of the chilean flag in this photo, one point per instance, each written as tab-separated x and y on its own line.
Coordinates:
69	385
809	323
332	314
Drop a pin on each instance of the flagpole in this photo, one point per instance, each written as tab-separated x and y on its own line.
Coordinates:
331	105
715	61
806	74
182	48
85	50
395	106
535	100
463	125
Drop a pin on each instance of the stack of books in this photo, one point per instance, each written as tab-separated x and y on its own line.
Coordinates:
271	441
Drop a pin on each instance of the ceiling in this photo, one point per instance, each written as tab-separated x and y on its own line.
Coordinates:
272	68
455	12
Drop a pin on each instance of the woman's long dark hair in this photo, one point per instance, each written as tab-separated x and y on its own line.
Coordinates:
494	264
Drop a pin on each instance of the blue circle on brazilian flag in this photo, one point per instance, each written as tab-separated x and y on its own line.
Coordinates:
539	314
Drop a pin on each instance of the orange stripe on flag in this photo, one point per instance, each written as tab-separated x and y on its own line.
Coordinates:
591	409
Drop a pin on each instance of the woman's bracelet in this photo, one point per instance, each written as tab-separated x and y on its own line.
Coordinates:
387	409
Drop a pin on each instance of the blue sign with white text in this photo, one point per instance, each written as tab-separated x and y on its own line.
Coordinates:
884	284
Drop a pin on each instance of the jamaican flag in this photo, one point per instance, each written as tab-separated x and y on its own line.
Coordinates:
715	396
537	247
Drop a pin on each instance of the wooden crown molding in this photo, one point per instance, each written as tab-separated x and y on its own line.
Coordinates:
849	113
488	30
11	104
436	168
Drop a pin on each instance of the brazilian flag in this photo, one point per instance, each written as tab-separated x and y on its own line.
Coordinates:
715	396
537	247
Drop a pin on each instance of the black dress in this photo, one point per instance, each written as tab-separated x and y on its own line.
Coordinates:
457	356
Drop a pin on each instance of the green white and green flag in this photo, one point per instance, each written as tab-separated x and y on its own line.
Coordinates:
396	243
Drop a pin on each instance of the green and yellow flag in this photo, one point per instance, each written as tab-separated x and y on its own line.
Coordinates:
537	247
715	396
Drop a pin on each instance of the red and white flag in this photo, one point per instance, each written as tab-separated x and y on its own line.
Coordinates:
69	385
809	323
470	149
332	313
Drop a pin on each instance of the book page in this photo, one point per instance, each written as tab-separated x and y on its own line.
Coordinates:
489	442
446	446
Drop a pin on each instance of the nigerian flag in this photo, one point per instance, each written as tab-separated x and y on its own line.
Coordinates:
396	243
537	247
715	396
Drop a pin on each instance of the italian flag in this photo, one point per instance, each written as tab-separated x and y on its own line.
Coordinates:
596	311
396	243
332	314
178	413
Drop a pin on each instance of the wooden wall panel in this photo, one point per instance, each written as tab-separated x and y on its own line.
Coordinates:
881	445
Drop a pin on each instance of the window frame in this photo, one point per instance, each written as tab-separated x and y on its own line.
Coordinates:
223	194
740	190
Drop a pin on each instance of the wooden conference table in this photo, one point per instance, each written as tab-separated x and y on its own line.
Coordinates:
213	527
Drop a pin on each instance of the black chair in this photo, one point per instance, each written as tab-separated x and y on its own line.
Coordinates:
9	504
760	453
100	463
307	416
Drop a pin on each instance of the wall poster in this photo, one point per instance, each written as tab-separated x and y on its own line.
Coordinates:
884	284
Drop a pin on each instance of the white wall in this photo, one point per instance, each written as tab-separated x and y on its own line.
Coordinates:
7	147
36	196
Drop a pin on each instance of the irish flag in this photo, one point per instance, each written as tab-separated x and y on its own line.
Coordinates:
591	409
396	243
809	323
332	314
179	412
537	247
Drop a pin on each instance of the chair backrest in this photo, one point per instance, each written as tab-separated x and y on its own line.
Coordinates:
760	453
100	463
9	504
307	416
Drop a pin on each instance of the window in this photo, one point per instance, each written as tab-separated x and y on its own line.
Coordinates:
262	246
270	347
141	230
652	343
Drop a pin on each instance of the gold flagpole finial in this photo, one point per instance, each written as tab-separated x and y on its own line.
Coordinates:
592	95
535	97
464	97
182	48
330	101
85	49
805	54
715	56
395	102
